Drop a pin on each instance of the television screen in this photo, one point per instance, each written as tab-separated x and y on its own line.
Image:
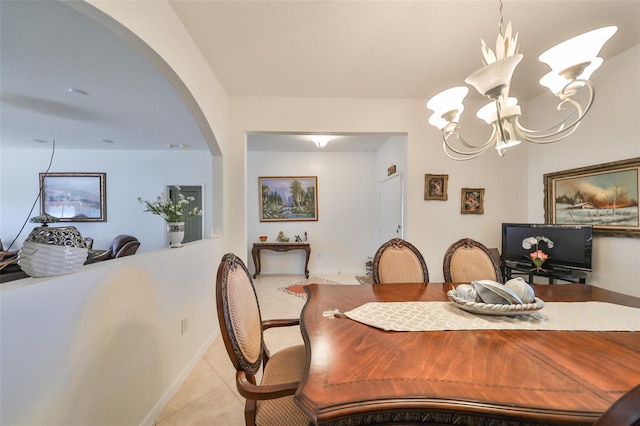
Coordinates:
572	244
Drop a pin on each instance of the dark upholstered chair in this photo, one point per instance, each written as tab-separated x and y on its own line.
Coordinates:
89	242
467	260
121	246
398	261
241	326
624	412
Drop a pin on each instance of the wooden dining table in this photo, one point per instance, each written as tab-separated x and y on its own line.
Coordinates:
357	374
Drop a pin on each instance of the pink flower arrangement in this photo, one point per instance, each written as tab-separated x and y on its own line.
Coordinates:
538	257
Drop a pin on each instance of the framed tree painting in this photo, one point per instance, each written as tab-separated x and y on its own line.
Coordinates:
435	187
604	196
288	198
74	197
472	201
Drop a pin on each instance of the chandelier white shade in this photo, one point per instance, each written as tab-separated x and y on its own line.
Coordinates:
572	63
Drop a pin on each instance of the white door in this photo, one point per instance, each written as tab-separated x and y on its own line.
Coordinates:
391	208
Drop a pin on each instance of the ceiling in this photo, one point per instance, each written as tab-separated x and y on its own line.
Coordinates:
304	48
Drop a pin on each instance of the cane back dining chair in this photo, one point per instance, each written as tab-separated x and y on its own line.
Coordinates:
467	260
398	261
241	326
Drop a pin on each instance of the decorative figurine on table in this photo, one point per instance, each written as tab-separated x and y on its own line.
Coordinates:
282	238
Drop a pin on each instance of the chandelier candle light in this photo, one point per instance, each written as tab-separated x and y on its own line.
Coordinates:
572	63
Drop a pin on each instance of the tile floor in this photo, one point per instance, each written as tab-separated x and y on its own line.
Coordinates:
209	396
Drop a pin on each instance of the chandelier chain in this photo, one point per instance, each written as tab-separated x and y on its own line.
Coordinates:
500	18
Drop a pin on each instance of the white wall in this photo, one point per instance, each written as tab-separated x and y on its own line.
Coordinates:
103	346
610	132
342	238
130	174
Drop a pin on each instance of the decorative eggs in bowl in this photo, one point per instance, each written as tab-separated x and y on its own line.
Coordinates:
520	287
489	297
467	292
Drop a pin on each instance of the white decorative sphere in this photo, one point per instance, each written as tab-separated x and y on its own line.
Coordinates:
520	287
467	292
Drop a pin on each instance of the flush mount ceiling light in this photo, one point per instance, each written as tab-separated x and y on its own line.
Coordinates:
572	62
321	141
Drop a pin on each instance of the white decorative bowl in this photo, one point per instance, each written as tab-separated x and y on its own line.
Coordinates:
495	308
45	260
49	251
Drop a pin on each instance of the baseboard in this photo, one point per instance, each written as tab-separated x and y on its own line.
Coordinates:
150	418
341	272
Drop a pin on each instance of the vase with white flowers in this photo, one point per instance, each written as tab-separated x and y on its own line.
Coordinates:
537	257
175	214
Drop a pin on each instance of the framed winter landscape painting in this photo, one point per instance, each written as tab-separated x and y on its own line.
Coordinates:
604	196
74	197
290	198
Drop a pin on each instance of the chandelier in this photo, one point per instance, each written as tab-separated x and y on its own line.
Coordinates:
572	63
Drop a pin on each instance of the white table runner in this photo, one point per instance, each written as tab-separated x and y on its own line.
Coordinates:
438	316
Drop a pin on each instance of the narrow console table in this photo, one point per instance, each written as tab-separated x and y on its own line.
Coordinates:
280	247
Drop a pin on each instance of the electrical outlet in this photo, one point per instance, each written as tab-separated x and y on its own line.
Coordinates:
184	325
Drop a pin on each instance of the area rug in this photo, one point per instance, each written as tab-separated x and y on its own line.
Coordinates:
365	279
297	289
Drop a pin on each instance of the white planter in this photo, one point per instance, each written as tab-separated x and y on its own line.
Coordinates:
176	234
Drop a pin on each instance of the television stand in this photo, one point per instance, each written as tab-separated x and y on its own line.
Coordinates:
553	274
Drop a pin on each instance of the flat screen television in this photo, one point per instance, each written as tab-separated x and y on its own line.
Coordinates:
572	245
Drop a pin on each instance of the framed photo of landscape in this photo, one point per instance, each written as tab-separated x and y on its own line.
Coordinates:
472	201
604	196
435	187
74	197
288	198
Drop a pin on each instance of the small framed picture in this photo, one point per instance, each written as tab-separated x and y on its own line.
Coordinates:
472	201
435	187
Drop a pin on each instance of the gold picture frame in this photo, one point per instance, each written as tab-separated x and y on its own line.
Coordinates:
472	201
604	195
74	197
288	198
435	187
